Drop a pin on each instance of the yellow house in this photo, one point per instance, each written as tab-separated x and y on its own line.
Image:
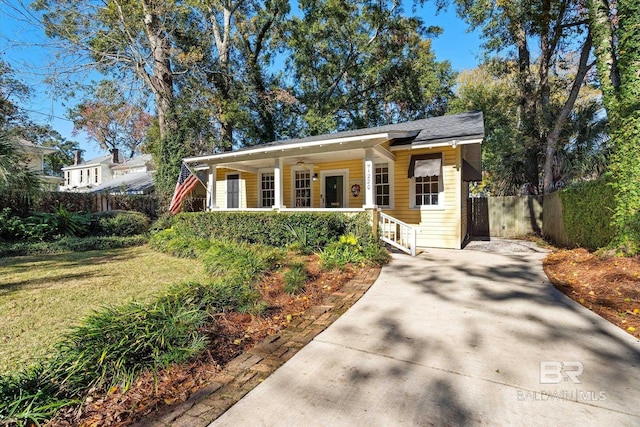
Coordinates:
414	176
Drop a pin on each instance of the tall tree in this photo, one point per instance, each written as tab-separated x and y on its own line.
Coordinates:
123	38
616	33
362	63
556	26
582	152
111	120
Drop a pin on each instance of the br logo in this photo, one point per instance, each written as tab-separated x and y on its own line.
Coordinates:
552	372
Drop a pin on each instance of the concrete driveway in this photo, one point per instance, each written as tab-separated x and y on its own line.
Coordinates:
472	337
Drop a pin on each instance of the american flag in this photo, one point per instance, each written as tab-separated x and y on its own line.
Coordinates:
186	182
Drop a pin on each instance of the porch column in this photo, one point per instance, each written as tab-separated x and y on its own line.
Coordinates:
211	188
278	170
369	190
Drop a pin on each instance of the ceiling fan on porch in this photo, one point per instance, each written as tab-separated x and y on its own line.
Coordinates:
303	163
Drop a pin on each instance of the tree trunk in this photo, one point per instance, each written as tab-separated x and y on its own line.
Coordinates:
161	82
528	103
554	135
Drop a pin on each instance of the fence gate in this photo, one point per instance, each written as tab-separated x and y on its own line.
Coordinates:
478	217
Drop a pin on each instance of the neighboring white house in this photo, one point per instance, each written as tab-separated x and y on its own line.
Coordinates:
108	173
34	155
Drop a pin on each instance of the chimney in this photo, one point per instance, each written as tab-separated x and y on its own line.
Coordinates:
77	158
114	155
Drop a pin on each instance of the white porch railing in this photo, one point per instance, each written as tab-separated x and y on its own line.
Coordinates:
397	233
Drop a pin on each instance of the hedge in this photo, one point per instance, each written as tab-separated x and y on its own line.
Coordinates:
587	213
311	229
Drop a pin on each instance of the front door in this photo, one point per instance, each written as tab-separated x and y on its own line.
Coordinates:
334	189
233	191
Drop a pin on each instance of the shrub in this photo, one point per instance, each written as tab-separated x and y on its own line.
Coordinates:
239	260
587	209
349	250
119	223
165	221
29	398
295	278
115	344
315	229
12	227
70	244
61	222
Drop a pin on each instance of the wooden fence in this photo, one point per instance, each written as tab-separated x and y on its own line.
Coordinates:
507	217
81	202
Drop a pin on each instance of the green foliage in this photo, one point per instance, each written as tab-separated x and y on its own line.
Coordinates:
12	227
625	177
29	398
115	344
587	209
42	226
162	223
168	241
119	223
350	249
70	244
268	228
295	278
617	52
344	81
242	260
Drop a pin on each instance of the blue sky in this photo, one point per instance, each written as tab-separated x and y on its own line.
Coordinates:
22	46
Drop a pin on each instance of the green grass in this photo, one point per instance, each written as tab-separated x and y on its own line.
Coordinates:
42	296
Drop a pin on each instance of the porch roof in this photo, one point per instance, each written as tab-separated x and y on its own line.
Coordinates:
458	128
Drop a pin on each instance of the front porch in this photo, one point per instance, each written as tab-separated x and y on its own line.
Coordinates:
414	172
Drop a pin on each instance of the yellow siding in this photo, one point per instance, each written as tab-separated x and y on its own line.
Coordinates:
354	167
439	227
443	227
248	189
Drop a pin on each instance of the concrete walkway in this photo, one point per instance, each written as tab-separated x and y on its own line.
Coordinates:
456	338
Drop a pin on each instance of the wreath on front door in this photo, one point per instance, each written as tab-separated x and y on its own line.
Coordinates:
355	190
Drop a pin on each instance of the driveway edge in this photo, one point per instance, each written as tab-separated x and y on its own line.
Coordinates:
246	371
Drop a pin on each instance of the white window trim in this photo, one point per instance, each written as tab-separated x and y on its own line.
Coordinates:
391	168
295	169
260	173
346	193
226	188
412	192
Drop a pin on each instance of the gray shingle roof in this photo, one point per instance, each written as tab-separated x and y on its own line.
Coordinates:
132	183
455	126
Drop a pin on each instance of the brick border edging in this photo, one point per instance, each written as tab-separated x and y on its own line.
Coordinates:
245	372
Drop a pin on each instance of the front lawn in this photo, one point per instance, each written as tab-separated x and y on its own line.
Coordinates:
41	296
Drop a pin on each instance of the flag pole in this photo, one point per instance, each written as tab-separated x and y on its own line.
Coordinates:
206	187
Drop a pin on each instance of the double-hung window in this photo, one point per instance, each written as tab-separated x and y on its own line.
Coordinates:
302	189
267	190
382	185
425	172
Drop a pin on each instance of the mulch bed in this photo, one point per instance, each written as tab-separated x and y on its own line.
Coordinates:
230	334
609	286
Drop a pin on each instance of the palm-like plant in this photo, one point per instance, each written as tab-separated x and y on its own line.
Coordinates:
14	173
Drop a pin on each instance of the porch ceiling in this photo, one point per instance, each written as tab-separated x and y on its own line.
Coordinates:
252	160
